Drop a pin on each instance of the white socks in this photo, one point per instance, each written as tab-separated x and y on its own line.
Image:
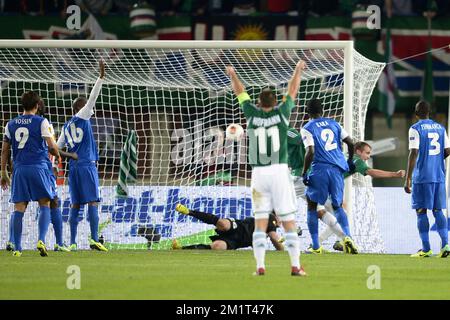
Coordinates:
293	247
259	248
333	227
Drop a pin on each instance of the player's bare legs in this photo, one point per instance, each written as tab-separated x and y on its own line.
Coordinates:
259	243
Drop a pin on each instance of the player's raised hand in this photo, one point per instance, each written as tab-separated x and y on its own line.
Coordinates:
400	173
230	71
101	65
4	181
407	186
301	65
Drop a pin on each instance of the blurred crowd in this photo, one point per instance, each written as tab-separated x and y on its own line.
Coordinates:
236	7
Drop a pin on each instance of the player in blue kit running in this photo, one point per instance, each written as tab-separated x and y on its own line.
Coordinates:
428	147
322	139
78	137
30	138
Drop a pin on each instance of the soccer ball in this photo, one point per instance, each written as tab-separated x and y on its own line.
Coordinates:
234	132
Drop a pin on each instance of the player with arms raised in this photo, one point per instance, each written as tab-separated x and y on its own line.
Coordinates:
271	184
31	139
428	147
77	135
322	138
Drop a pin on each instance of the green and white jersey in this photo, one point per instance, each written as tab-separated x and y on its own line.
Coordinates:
267	131
296	152
361	166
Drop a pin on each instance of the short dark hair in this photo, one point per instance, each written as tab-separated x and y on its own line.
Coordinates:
41	107
423	109
78	103
360	145
314	106
29	100
267	98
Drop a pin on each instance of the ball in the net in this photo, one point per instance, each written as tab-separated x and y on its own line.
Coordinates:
234	132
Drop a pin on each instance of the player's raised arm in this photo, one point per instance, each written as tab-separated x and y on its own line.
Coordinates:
294	83
236	84
88	109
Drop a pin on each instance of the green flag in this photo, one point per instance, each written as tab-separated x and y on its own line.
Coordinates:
128	164
387	83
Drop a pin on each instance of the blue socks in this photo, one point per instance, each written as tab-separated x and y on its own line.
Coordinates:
56	219
93	222
342	219
17	228
424	227
11	228
43	222
73	222
313	227
442	228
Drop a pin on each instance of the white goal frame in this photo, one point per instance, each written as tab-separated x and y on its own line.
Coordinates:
347	46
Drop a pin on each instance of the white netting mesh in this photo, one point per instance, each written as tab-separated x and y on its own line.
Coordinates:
179	103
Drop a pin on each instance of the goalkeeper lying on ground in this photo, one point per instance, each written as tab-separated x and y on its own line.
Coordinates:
232	233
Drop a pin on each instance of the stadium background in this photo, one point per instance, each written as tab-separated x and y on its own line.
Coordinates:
271	20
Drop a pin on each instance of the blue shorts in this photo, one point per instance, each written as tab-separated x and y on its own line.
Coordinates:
83	183
31	183
324	181
429	196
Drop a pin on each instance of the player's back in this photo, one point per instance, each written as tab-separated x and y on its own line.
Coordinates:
79	138
327	135
431	138
27	142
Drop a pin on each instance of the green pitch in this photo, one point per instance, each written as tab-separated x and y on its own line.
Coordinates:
218	275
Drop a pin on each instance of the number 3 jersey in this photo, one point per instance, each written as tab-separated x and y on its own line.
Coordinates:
325	135
430	138
26	135
267	131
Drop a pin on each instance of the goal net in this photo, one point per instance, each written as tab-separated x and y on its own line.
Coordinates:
159	123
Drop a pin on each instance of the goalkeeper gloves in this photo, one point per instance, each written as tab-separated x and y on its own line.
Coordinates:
306	179
351	166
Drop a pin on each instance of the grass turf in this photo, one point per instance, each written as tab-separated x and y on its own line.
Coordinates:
218	275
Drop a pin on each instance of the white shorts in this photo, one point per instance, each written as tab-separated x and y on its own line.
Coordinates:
299	187
273	190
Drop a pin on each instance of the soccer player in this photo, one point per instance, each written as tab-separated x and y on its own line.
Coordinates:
428	147
78	137
296	151
361	155
55	211
31	140
322	139
232	234
271	184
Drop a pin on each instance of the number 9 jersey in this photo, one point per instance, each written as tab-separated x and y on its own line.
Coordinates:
430	138
26	135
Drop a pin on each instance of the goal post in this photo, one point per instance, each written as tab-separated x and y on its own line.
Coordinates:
176	100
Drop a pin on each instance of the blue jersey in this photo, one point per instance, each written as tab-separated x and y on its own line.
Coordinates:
26	135
79	138
430	138
325	135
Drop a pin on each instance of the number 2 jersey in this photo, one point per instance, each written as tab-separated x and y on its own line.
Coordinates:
325	135
26	135
430	138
